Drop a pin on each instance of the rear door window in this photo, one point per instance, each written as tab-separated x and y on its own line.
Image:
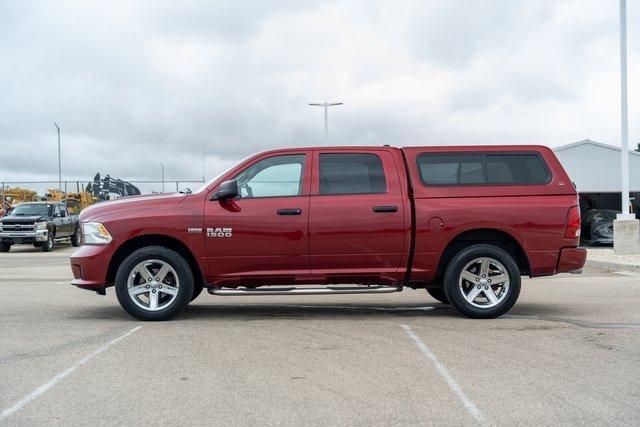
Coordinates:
482	169
516	169
351	173
451	169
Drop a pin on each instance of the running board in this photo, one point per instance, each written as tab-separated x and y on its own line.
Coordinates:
328	290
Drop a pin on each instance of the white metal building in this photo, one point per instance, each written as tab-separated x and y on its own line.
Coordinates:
595	169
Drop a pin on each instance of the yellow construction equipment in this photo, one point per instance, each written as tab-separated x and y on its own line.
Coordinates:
11	197
75	201
54	195
16	195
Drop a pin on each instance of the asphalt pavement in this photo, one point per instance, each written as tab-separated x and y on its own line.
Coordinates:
567	353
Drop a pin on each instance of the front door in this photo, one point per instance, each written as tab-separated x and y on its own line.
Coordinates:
262	235
66	227
357	225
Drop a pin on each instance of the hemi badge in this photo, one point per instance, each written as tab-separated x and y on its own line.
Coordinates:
195	230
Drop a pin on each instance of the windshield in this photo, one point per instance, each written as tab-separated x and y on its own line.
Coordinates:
27	209
212	180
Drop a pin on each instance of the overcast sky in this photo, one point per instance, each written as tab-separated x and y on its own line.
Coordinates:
134	83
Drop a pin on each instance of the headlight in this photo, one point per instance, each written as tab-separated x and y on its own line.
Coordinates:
41	226
94	233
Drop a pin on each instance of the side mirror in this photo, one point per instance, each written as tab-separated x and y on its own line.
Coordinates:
227	190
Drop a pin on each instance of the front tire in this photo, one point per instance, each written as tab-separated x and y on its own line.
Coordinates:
154	283
197	290
482	281
5	247
50	243
76	239
438	294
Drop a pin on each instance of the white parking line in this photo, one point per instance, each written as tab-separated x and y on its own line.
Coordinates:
473	410
53	381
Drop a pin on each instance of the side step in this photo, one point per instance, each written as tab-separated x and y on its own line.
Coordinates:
328	290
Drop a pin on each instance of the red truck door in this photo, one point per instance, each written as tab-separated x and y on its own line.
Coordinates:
357	223
263	233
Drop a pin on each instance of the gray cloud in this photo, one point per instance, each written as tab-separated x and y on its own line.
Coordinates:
136	83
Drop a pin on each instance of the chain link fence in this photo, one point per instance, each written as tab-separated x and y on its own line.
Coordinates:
76	186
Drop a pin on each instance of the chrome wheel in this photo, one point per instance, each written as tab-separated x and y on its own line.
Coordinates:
484	282
153	285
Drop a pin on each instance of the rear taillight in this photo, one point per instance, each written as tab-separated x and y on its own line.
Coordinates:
572	227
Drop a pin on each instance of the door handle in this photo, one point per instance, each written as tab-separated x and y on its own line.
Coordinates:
290	211
379	209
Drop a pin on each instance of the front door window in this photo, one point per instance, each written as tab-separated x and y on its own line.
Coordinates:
279	176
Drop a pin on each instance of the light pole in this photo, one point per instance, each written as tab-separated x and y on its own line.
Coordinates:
326	106
624	116
162	168
626	228
59	159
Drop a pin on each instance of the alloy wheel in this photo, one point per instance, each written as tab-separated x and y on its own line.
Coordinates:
484	282
153	285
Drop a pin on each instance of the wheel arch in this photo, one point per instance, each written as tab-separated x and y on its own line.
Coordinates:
135	243
491	236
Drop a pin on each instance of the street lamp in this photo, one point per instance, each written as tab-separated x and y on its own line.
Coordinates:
326	106
162	168
59	160
626	228
624	117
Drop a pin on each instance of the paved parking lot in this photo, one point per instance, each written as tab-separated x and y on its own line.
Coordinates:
567	353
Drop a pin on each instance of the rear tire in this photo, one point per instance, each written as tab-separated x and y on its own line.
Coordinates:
482	281
50	243
5	247
76	238
160	296
438	294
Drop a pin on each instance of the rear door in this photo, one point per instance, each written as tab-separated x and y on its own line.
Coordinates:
263	233
357	223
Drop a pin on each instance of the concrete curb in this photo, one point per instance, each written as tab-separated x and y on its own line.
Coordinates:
614	266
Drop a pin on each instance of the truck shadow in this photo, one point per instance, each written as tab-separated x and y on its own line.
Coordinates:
308	311
302	311
27	249
256	311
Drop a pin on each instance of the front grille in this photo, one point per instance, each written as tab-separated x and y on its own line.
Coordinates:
18	227
18	222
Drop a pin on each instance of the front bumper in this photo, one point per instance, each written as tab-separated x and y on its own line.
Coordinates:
571	260
90	264
18	237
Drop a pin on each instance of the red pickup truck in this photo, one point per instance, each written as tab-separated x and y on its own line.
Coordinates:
464	223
